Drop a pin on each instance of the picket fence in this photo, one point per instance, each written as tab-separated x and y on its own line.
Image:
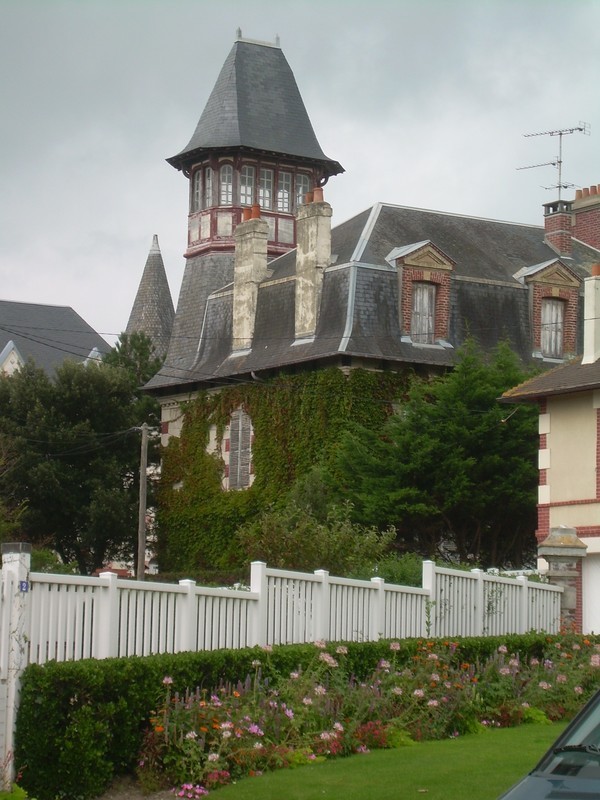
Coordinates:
63	618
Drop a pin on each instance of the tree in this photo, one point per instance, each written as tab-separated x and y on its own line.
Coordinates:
453	470
78	444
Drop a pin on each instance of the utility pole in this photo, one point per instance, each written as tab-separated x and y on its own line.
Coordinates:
141	551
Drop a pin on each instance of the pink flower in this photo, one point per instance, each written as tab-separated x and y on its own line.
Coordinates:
578	690
167	680
433	703
321	644
419	693
561	678
394	645
342	650
503	649
544	685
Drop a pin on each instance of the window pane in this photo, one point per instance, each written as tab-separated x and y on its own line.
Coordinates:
265	188
422	325
302	187
196	183
284	192
247	186
553	312
226	191
208	187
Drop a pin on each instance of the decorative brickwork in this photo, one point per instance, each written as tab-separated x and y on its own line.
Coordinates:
569	295
441	280
586	213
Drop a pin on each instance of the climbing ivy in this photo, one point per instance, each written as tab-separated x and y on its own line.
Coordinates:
297	418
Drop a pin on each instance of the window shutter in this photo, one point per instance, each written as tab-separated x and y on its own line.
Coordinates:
553	312
240	450
422	328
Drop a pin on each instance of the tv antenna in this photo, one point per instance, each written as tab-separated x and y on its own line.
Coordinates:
583	127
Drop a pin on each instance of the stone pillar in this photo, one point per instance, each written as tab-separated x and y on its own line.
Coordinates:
313	255
250	269
563	551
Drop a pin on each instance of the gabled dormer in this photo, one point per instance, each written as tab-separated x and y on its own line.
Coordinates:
554	306
253	145
424	273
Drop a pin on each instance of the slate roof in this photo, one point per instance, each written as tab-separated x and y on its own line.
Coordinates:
565	379
359	316
153	312
47	334
256	104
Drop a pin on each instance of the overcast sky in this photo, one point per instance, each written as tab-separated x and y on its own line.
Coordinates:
424	104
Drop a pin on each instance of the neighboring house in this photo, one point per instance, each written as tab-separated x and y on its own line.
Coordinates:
47	335
569	452
268	286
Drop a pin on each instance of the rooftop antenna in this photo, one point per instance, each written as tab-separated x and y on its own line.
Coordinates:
583	127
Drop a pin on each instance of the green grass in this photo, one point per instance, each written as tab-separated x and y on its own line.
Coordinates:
478	767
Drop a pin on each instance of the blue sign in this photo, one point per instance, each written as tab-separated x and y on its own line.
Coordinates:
23	586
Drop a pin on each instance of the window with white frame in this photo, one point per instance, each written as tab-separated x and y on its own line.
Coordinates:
284	192
422	323
240	449
208	183
196	188
226	185
247	185
265	188
553	318
302	187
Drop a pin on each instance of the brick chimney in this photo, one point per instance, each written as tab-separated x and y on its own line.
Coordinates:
557	224
591	317
313	254
249	270
586	215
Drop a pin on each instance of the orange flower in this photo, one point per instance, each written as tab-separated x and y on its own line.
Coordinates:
236	694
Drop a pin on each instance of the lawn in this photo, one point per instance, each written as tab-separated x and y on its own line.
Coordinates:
478	767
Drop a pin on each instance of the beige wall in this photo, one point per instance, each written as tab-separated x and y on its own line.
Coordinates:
571	456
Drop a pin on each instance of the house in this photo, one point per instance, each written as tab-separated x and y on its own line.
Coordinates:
48	335
569	452
270	287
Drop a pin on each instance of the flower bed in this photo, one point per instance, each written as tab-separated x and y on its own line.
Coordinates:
199	740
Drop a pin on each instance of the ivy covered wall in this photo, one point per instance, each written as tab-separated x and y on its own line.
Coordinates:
297	421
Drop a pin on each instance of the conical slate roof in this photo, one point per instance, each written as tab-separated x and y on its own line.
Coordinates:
256	104
153	310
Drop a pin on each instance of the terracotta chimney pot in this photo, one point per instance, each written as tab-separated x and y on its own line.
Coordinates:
246	213
593	190
318	194
255	211
578	194
586	191
595	270
308	198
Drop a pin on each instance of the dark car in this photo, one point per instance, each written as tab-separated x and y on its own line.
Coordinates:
570	770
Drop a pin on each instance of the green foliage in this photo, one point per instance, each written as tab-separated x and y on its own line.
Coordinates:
96	713
15	793
292	538
453	471
297	419
75	469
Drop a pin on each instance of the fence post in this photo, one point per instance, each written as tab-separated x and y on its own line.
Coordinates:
378	617
106	639
523	613
186	617
428	581
16	563
258	585
479	618
321	625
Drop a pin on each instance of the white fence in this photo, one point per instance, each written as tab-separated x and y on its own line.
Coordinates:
63	618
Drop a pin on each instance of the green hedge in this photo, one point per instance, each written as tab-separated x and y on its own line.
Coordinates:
81	723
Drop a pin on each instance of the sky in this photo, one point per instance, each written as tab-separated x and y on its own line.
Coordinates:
424	103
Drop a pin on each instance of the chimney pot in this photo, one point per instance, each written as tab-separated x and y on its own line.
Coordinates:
255	211
578	194
593	190
246	213
586	191
308	198
318	194
595	270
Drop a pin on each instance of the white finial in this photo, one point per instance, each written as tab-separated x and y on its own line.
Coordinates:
238	33
155	248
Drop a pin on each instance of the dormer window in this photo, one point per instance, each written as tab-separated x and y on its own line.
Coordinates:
226	185
422	323
552	327
247	185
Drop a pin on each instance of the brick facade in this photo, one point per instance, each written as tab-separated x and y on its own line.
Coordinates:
586	216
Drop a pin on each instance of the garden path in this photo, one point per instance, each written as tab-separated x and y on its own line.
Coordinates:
127	789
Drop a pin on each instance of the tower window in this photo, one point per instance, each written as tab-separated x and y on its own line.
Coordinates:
196	186
247	185
208	199
265	188
226	187
422	323
302	187
553	317
284	191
